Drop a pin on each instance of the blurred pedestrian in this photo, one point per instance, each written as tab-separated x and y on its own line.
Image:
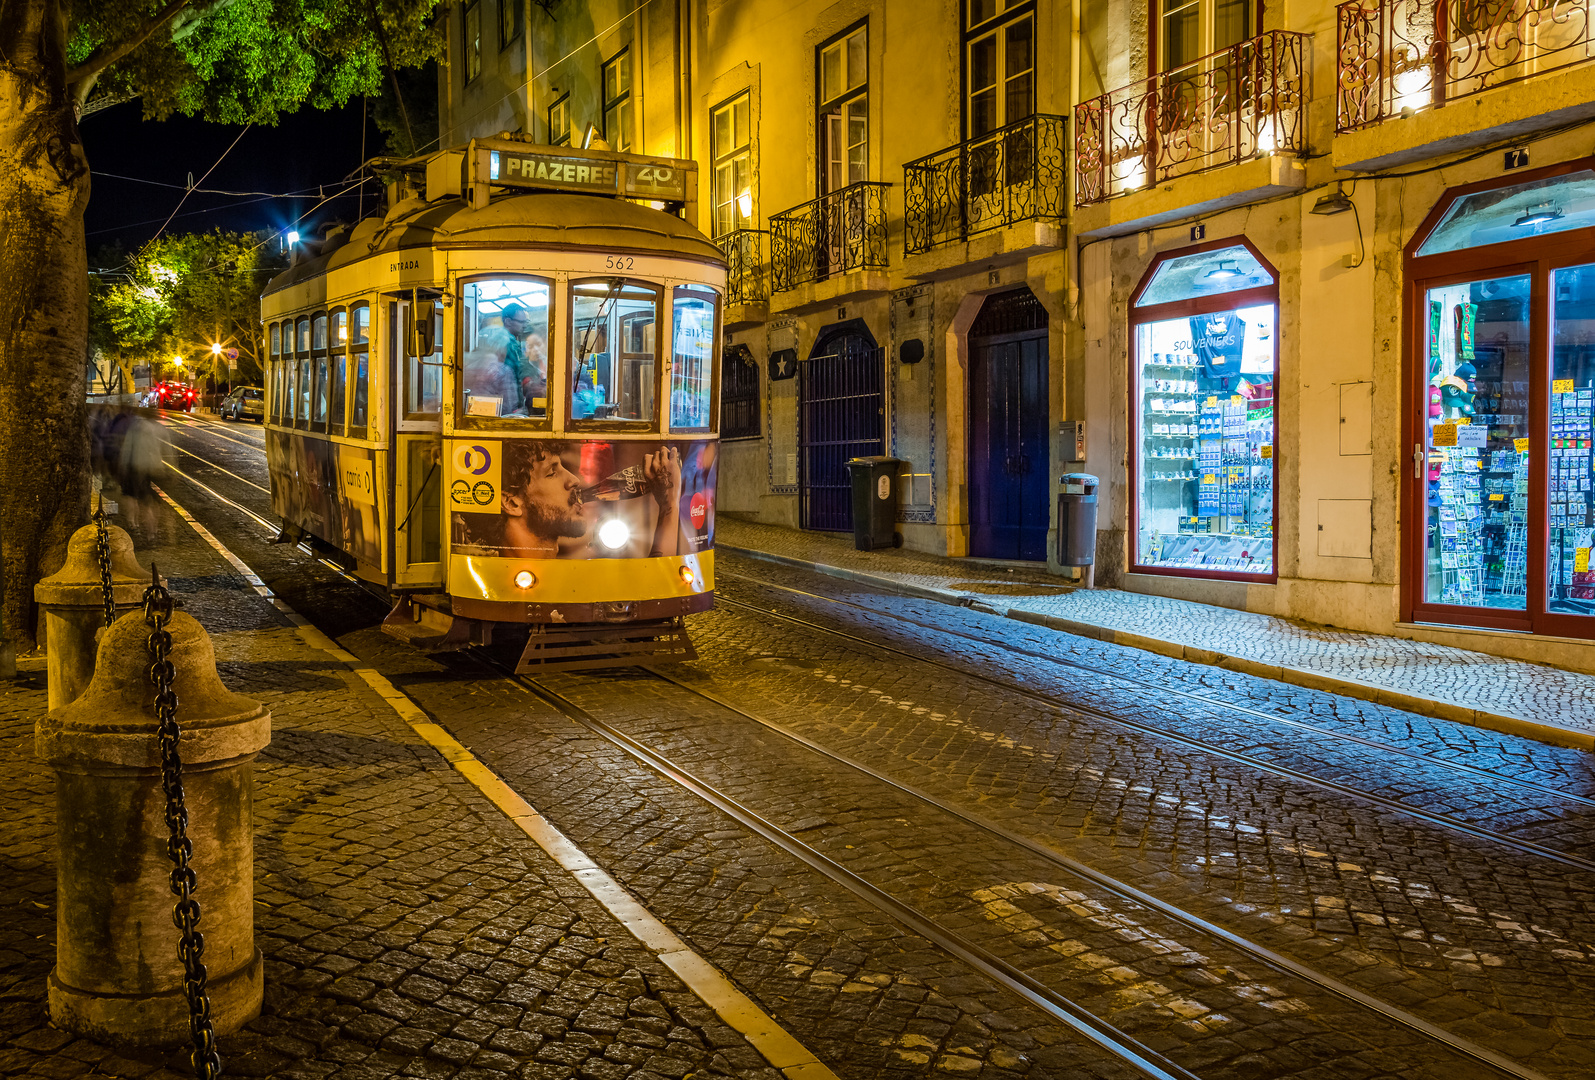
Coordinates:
142	460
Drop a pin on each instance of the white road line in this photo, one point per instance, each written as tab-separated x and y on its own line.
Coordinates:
218	468
778	1046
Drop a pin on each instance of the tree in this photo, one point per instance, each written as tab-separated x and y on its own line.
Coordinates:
181	295
234	61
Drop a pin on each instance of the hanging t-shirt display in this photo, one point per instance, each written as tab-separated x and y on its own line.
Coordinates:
1206	454
1218	341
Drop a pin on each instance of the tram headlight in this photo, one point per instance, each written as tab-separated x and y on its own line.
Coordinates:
613	534
525	579
688	576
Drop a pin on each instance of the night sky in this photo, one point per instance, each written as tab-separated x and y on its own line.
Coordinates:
307	149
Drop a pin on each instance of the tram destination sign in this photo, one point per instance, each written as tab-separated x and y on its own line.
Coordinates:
556	169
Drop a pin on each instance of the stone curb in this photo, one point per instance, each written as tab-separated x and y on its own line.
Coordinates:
1295	676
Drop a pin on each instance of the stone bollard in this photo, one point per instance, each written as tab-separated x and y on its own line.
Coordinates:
117	976
74	608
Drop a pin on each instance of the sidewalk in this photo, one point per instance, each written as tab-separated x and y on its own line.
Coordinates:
410	926
1512	696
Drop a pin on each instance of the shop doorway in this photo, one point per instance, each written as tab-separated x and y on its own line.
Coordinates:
841	415
1008	460
1498	511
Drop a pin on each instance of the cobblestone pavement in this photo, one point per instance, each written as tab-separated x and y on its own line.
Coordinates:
408	928
1490	943
1459	677
1465	924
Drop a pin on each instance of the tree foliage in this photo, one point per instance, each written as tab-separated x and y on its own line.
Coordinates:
183	293
244	61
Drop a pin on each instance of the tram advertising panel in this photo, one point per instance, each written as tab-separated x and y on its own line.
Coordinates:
328	489
588	499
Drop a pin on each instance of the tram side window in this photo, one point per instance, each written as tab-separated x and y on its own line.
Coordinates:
318	349
302	398
613	350
359	368
423	375
504	323
692	369
274	381
338	371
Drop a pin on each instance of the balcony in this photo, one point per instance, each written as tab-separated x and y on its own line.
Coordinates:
747	277
1240	104
1405	58
1012	176
830	248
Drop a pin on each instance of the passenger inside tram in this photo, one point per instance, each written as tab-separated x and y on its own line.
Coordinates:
506	356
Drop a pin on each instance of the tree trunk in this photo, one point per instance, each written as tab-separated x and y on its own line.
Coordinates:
44	186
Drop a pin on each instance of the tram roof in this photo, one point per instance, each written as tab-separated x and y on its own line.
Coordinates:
540	220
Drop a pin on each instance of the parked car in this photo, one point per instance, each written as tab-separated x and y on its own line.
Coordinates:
244	403
174	395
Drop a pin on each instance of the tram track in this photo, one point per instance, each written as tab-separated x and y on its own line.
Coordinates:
1440	820
1149	1063
1163	688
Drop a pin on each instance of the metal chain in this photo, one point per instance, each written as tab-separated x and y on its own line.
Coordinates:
191	946
102	554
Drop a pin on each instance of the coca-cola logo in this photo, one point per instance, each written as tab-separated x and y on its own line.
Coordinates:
698	510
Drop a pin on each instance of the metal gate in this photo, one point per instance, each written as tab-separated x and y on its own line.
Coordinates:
841	415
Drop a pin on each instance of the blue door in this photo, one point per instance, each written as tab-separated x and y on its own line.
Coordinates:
1008	466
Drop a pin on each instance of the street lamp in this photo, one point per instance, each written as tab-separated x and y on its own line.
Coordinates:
216	348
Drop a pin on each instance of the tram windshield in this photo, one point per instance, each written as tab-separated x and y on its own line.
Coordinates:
505	370
613	367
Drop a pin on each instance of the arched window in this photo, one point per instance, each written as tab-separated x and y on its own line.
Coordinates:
1204	372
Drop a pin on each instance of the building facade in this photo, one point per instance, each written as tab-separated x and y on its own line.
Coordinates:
1313	278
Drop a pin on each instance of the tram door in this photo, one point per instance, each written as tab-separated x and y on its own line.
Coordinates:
415	381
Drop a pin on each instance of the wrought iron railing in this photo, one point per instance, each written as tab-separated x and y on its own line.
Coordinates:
1227	107
1014	174
1397	57
747	276
839	232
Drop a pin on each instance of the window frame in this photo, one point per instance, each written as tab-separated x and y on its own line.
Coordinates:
363	350
734	355
556	367
621	101
824	107
274	376
516	22
471	49
663	331
302	382
1136	317
415	365
719	156
561	105
1157	46
320	369
998	25
335	354
693	290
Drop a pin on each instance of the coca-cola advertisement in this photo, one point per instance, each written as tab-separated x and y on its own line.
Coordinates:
570	499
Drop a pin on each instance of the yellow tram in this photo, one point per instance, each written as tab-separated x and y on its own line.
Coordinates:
498	400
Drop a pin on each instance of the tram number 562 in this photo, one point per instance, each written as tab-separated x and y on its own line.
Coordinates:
619	262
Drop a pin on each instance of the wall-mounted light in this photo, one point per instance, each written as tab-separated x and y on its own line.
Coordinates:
1538	216
293	237
1223	271
1334	202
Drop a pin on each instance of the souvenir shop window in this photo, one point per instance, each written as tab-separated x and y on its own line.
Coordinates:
1204	388
1477	449
1569	578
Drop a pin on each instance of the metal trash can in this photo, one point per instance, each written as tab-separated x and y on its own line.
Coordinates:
875	502
1077	519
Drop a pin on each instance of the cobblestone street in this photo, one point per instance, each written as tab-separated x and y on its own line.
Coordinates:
909	839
